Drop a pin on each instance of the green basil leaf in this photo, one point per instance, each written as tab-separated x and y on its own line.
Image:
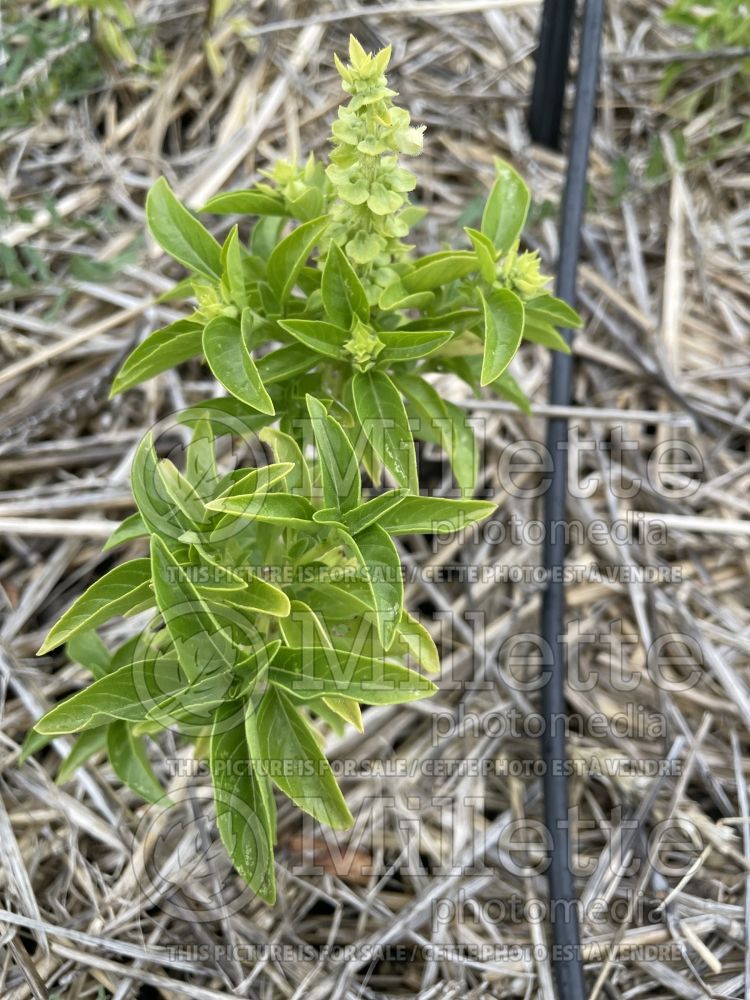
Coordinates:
466	368
180	291
351	637
315	672
445	424
329	515
256	480
395	297
503	330
321	337
381	412
507	386
307	205
232	364
346	710
131	650
208	570
409	345
233	277
506	209
226	414
456	319
164	349
547	336
180	234
372	511
184	496
426	409
464	347
284	363
241	811
308	281
88	649
33	742
362	448
303	627
192	707
201	642
343	294
381	563
246	203
246	484
440	268
320	707
485	251
286	450
548	309
132	527
129	760
334	601
128	694
296	764
264	782
289	256
85	746
159	513
434	515
419	643
260	596
122	589
339	467
265	235
284	509
240	632
461	447
200	460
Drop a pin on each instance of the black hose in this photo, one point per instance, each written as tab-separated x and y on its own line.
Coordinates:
566	951
548	95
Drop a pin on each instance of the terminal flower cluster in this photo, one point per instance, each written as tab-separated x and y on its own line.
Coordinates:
370	215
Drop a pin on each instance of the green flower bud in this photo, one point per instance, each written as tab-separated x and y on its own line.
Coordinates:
521	272
210	301
305	189
365	247
364	345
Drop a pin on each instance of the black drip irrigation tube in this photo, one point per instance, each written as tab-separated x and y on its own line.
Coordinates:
544	124
548	94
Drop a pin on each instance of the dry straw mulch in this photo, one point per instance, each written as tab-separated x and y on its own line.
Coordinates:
436	890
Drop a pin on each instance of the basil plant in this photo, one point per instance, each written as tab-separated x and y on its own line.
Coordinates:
272	595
